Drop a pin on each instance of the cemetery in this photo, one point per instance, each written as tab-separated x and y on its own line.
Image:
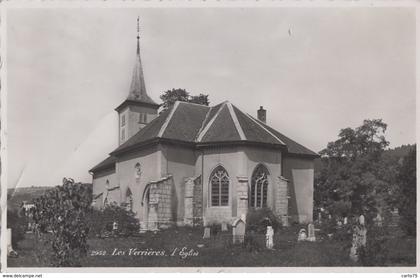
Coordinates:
234	245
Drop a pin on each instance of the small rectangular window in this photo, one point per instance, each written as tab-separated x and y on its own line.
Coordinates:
123	120
122	135
143	118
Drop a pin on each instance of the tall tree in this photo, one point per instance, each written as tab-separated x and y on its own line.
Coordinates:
408	182
171	96
350	180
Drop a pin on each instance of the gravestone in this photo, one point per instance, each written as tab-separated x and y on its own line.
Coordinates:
269	237
311	232
345	220
353	253
302	235
362	220
10	251
359	240
319	218
238	231
206	232
362	236
378	220
224	227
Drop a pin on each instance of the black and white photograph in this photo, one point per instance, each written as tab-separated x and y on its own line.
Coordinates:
215	137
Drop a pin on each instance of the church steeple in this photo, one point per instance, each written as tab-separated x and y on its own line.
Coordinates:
138	87
138	109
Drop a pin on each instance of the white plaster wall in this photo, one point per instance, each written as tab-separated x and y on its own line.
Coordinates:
300	173
99	186
179	162
151	170
233	160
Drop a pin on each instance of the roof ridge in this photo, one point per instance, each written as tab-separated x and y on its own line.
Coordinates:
168	119
193	103
202	124
263	127
236	122
207	127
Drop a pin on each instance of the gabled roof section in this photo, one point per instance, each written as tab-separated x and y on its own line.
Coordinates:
222	128
109	162
199	125
185	122
253	131
292	146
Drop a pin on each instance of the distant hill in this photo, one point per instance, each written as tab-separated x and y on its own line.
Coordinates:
15	197
401	151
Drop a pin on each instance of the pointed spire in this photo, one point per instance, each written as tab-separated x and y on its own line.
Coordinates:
138	35
138	87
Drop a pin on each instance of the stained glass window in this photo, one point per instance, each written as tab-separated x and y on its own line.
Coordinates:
259	186
219	181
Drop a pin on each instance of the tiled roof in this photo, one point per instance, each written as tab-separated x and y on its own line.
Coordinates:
106	163
203	125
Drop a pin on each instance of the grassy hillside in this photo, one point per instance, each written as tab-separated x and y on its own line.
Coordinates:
15	197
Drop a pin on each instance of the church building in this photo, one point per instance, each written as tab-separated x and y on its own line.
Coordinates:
200	165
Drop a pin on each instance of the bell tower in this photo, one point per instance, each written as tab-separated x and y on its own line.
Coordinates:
138	109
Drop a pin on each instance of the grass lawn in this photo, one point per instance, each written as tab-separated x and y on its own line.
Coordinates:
185	247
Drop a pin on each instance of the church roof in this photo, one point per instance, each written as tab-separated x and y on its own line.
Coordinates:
199	125
109	162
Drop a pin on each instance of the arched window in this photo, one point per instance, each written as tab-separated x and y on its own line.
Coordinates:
129	199
137	170
259	185
219	183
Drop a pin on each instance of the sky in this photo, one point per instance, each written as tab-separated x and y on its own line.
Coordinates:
68	69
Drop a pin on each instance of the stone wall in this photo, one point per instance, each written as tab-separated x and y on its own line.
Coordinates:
198	202
193	202
160	214
188	202
282	200
242	195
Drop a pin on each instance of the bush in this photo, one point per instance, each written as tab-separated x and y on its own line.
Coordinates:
375	253
257	220
18	226
102	221
60	220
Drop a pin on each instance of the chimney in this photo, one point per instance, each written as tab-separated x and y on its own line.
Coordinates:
262	114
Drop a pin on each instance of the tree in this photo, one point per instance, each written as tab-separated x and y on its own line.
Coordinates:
351	179
60	220
200	99
171	96
408	182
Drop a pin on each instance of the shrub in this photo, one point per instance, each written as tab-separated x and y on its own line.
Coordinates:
102	221
375	253
60	220
18	226
257	220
